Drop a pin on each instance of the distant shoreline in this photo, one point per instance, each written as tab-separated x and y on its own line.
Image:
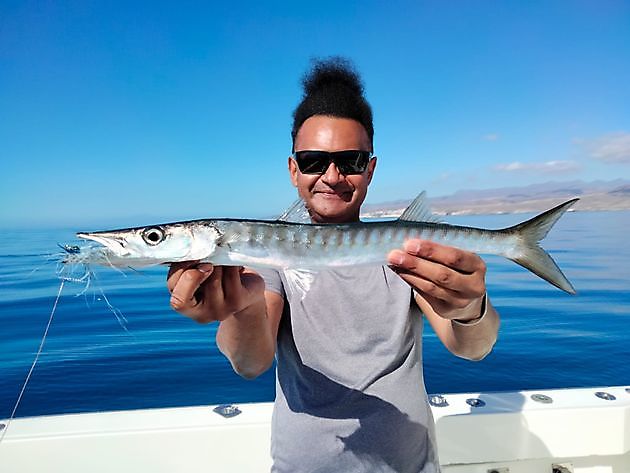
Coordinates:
595	196
586	203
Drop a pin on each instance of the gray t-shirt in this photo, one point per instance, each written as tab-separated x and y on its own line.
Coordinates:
350	394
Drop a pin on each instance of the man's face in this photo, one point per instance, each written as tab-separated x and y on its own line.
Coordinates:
332	197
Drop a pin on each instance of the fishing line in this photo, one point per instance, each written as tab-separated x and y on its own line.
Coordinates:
85	278
50	258
120	317
30	371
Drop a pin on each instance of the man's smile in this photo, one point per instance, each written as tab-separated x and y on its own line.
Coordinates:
344	195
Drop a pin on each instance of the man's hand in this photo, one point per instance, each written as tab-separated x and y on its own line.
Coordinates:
451	280
208	293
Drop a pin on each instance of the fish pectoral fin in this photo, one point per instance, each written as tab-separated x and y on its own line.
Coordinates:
419	211
296	213
299	280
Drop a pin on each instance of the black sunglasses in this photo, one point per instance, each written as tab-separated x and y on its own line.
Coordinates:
347	161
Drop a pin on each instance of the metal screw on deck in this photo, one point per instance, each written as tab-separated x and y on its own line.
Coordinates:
227	410
2	426
475	402
437	400
562	468
543	398
604	395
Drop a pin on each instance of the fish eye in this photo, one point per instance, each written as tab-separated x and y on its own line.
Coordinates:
153	235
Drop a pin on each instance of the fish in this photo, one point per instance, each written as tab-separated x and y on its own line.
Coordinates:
292	242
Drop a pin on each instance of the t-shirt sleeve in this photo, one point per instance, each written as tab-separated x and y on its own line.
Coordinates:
273	281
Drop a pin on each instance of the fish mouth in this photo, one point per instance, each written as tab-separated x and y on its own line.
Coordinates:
111	241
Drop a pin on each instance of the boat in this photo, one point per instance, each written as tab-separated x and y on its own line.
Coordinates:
577	430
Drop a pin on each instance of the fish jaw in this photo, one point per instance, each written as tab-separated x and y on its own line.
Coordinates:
159	244
113	241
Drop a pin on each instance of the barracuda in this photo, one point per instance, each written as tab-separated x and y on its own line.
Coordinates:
285	244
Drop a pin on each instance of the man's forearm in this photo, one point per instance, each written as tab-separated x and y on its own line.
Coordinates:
246	340
474	339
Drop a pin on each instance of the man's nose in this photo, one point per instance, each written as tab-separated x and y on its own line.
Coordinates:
332	175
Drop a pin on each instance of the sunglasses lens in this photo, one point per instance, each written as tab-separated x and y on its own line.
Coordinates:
312	162
352	162
347	162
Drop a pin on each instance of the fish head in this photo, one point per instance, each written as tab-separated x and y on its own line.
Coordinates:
158	244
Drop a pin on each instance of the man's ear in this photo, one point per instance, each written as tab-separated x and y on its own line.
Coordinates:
293	170
370	169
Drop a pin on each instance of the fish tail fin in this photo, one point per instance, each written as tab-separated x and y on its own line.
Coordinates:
530	254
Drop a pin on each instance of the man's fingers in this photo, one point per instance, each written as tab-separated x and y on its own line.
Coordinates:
441	299
449	279
206	293
437	273
183	292
459	260
231	282
448	267
175	271
429	288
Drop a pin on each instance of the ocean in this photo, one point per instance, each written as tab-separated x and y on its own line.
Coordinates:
92	361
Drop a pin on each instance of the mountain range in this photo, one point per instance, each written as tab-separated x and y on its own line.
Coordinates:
594	196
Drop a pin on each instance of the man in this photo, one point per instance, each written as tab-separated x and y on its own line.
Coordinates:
350	394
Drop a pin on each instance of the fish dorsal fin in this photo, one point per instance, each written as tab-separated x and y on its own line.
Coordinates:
297	213
419	211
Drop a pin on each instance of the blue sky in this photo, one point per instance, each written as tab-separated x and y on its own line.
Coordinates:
115	112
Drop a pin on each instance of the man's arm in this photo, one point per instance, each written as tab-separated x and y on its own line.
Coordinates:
450	290
471	340
248	340
249	316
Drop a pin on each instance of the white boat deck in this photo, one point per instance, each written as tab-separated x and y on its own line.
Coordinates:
576	432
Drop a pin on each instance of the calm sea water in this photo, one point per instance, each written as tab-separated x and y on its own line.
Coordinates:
548	339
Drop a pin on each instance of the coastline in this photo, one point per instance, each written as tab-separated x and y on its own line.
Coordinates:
458	204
